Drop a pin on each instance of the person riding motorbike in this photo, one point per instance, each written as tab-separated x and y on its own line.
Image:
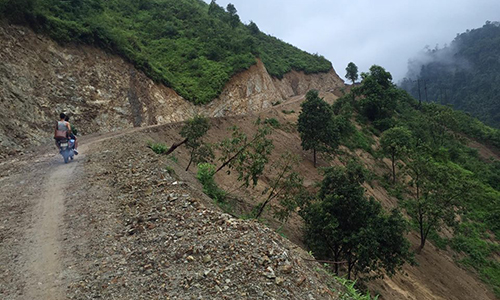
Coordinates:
62	129
72	136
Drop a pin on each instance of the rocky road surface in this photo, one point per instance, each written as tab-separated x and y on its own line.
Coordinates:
120	222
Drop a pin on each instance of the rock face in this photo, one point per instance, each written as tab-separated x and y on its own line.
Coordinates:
102	92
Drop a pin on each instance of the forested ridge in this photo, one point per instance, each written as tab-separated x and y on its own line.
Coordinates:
465	74
188	45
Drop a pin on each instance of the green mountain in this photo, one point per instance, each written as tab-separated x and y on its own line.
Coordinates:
465	74
188	45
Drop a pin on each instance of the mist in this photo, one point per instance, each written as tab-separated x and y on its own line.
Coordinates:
447	58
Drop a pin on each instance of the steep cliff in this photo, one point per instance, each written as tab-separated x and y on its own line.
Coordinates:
102	92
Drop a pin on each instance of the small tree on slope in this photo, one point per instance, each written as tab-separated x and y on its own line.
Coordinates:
352	72
193	132
395	142
285	187
437	191
316	126
247	157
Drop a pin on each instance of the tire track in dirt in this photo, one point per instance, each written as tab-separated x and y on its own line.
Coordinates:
44	265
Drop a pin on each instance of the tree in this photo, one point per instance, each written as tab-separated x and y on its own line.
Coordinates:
17	11
436	192
352	72
248	158
215	10
343	225
380	96
395	142
316	126
234	19
231	9
193	131
254	29
286	186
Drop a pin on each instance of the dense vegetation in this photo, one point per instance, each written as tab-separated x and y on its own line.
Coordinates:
465	74
343	225
447	183
188	45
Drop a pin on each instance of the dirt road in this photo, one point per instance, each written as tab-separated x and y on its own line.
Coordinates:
43	240
35	258
32	200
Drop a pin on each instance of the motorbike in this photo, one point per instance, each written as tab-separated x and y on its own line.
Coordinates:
66	149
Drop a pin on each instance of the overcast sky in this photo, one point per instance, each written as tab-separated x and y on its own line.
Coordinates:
366	32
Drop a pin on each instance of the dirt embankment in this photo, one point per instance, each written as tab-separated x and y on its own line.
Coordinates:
121	222
39	79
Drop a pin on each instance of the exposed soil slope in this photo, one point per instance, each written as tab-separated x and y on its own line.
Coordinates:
436	275
103	93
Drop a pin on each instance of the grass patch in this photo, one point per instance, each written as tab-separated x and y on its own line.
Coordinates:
480	253
347	290
438	241
272	122
158	148
170	171
360	140
173	158
351	292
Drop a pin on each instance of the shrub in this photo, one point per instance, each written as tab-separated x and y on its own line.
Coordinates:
158	148
205	175
272	122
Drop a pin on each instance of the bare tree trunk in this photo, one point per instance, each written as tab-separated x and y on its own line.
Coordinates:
349	267
231	159
261	208
190	160
422	233
336	258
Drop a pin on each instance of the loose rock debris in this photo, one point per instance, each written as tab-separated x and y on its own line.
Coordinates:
150	235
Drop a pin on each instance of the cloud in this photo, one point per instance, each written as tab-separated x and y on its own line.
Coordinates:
366	32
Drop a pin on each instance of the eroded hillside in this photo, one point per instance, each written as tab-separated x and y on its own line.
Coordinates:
135	224
103	93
